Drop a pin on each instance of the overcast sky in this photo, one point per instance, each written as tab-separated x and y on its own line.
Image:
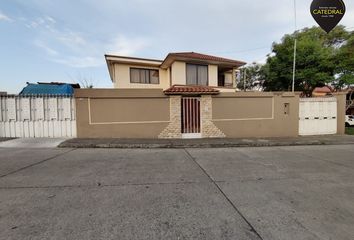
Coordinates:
46	40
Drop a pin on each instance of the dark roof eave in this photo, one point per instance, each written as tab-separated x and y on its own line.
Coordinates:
168	61
135	58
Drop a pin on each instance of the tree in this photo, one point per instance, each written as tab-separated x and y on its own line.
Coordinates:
344	63
318	55
251	77
83	80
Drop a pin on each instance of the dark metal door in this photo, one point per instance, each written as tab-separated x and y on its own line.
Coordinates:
190	115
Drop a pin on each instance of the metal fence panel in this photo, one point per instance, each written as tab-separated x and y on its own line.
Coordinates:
37	116
318	116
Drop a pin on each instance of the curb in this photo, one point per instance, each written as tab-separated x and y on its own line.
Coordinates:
206	145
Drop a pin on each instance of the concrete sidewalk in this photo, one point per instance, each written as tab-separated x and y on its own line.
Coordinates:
31	142
207	143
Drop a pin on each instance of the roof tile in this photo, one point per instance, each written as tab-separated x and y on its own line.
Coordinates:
190	89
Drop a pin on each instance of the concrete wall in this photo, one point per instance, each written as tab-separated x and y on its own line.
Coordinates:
122	77
213	75
121	113
148	113
178	73
245	114
341	103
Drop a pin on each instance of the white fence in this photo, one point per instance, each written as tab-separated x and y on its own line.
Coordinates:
318	116
37	116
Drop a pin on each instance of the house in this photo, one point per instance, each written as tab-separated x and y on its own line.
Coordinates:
322	91
183	68
192	95
52	88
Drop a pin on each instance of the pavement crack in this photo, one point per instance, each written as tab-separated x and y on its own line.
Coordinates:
36	163
252	229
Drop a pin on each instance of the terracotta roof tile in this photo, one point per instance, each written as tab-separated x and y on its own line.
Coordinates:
205	57
324	89
190	89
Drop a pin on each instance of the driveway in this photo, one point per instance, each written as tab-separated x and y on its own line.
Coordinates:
220	193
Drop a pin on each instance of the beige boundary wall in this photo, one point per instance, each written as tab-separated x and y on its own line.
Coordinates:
148	113
256	114
121	113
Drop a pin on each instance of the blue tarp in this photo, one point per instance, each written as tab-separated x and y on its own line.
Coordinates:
47	89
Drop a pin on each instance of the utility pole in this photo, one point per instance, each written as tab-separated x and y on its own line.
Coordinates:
295	46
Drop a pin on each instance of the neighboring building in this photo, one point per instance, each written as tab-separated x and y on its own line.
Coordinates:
53	88
185	68
3	93
322	91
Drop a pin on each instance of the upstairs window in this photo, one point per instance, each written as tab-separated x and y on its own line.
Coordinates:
146	76
197	74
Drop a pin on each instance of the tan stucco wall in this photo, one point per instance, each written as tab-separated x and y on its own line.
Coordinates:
213	75
175	75
147	113
126	113
178	73
256	114
122	77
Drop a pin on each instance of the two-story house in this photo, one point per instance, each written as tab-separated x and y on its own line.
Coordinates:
184	68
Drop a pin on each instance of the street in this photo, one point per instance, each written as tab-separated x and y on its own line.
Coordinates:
299	192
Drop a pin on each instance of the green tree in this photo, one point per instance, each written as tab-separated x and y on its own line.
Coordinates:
251	77
344	63
318	55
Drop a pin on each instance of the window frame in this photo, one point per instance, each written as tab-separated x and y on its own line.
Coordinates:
198	65
145	69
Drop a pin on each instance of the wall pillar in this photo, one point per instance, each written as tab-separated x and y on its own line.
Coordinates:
208	129
341	103
173	129
233	78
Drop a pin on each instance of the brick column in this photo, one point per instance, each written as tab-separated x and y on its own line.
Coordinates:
209	130
173	129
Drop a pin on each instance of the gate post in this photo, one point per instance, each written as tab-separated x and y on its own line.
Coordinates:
173	129
208	128
341	102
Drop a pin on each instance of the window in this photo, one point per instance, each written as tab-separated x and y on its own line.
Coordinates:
147	76
197	74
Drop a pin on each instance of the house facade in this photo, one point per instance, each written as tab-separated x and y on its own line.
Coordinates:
191	95
185	68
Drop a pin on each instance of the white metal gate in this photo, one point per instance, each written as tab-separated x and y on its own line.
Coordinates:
318	116
37	116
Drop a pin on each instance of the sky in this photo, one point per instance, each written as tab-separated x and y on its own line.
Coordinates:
65	41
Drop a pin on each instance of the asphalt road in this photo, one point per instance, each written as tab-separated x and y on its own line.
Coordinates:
234	193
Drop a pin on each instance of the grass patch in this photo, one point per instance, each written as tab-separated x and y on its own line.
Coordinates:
349	130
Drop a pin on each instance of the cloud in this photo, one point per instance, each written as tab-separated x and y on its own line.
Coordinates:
80	62
4	17
50	51
123	45
71	39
